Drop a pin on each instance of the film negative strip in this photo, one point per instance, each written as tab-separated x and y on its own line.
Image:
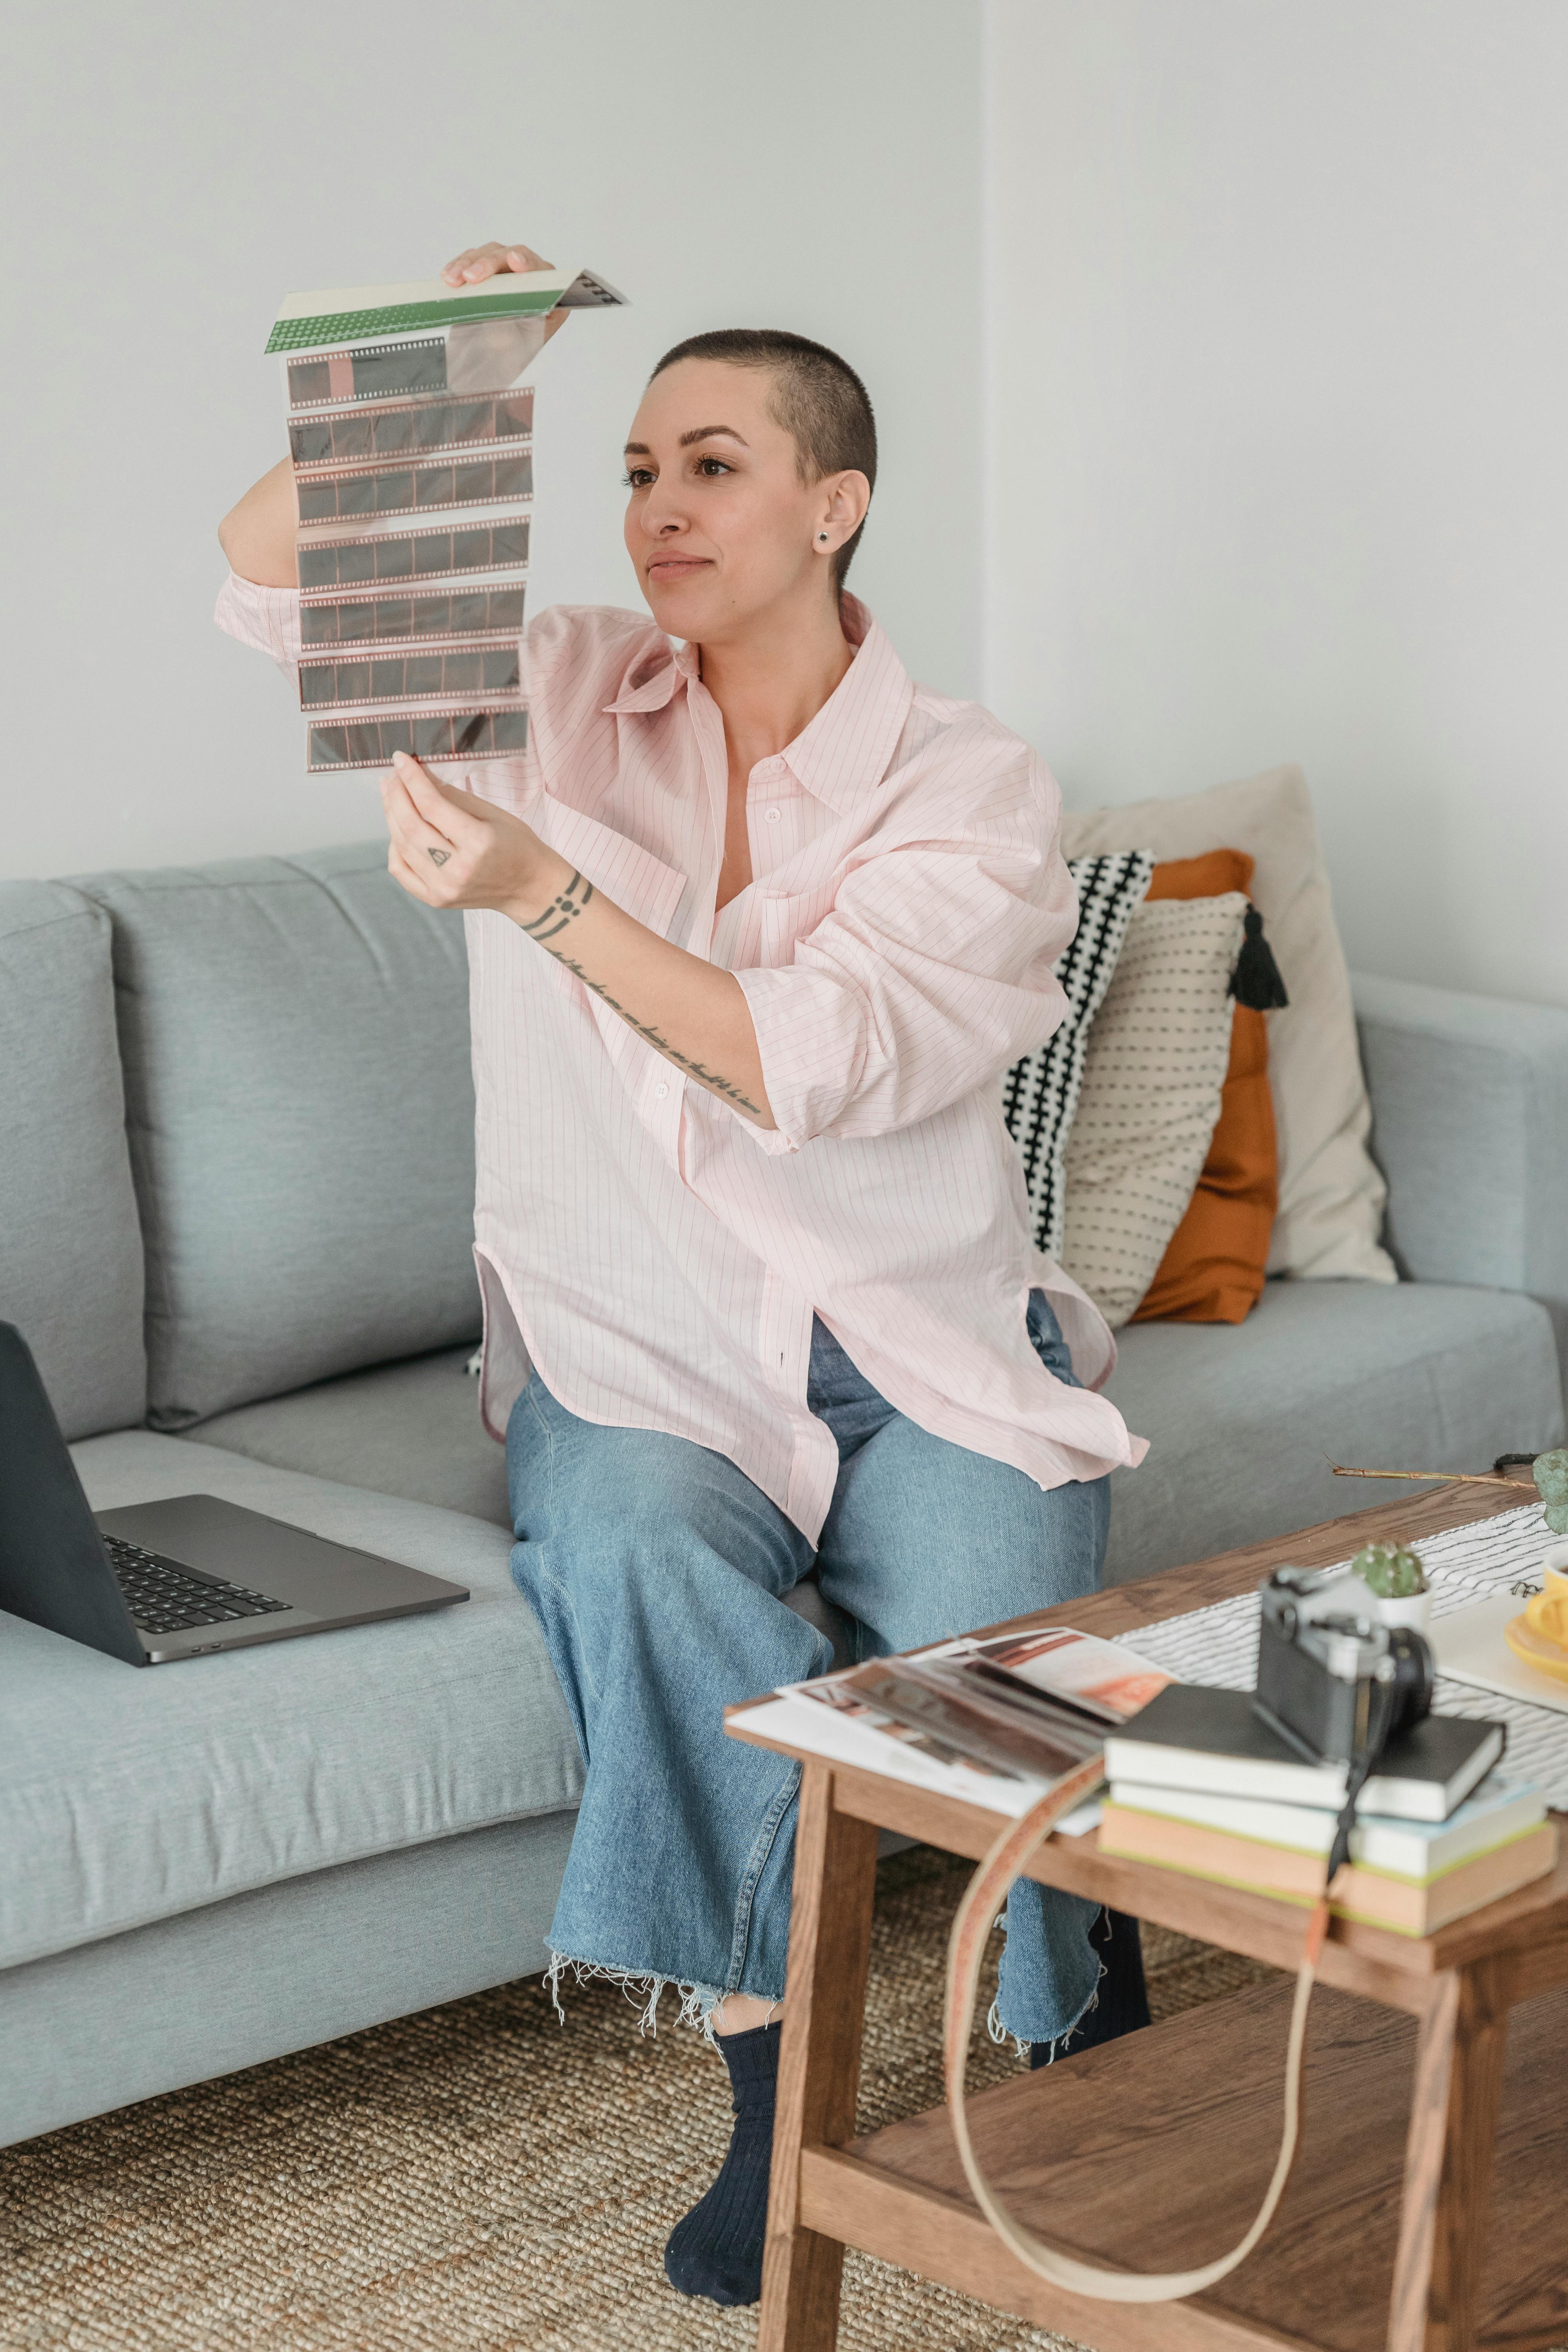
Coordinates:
411	428
414	555
378	372
385	435
398	490
477	672
395	620
464	735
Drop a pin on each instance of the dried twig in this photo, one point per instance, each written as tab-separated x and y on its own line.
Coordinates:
1449	1477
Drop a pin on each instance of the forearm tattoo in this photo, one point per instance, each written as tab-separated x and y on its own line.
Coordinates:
709	1078
558	917
563	908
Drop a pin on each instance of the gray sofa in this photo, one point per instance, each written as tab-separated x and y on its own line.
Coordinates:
236	1163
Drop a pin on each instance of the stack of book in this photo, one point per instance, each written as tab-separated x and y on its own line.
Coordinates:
1200	1784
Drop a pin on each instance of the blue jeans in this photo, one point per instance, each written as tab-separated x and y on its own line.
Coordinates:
655	1567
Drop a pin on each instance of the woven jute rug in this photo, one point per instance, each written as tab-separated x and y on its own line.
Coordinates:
478	2177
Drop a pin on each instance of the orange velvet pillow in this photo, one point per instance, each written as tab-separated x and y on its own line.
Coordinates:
1213	1270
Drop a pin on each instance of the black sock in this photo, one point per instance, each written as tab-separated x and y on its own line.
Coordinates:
1123	2001
717	2251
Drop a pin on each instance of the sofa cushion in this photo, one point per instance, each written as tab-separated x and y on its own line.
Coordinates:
131	1794
1471	1096
1213	1270
295	1038
410	1429
279	1968
415	1430
1243	1419
1240	1416
1039	1094
70	1246
1154	1077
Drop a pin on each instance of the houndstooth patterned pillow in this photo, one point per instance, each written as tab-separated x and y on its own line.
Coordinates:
1039	1094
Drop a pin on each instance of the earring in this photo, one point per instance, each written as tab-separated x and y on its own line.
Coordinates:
822	537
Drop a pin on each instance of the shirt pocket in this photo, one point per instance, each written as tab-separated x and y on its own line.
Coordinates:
638	882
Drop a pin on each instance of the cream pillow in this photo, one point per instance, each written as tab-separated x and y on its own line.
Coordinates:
1150	1096
1330	1195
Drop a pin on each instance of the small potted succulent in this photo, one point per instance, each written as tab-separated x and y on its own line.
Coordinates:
1550	1474
1392	1573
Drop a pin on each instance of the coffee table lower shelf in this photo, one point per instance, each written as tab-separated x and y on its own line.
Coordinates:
1152	2154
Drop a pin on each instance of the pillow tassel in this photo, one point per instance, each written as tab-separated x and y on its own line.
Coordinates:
1256	981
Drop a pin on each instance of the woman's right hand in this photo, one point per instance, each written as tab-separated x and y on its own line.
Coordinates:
481	261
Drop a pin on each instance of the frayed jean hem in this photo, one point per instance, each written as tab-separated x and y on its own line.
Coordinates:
1058	2045
698	2002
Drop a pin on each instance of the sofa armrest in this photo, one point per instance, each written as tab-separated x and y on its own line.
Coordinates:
1469	1104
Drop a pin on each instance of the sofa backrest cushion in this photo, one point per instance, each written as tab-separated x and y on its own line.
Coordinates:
299	1101
70	1246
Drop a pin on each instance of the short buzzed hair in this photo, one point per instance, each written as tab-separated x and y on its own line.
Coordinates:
816	397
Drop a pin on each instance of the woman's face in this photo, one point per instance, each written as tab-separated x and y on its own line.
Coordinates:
720	526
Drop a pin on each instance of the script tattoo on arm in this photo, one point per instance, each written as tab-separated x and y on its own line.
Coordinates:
709	1078
572	900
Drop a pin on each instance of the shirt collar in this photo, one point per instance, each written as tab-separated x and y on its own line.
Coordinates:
845	749
843	754
652	692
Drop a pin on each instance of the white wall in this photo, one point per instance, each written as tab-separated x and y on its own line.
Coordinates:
1273	376
174	168
1278	439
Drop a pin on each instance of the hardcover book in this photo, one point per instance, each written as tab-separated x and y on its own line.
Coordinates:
1408	1906
1189	1737
1500	1809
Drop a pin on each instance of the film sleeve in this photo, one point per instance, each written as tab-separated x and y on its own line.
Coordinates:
414	469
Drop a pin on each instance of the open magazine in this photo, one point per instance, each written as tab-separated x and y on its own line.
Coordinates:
996	1722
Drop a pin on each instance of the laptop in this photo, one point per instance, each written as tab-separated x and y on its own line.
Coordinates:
157	1581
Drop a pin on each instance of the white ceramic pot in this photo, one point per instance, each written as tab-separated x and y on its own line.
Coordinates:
1415	1611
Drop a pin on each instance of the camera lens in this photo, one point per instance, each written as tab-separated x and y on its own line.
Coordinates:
1410	1693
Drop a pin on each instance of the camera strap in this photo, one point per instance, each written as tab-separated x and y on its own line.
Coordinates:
983	1900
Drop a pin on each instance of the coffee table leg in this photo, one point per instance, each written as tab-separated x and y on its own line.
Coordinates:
1449	2158
819	2060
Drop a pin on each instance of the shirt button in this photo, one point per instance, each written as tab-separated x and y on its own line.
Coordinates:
774	816
661	1091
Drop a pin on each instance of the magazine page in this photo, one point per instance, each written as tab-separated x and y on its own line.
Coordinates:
859	1736
971	1739
981	1714
1104	1677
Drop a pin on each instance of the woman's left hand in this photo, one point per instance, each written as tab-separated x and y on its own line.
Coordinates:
451	849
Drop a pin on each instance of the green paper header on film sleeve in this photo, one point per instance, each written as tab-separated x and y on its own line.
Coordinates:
348	314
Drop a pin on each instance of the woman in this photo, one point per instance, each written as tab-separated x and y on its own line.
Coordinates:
753	929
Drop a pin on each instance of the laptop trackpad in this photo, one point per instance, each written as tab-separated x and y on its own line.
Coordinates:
311	1574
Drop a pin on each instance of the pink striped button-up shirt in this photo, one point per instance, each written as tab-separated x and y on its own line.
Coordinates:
656	1255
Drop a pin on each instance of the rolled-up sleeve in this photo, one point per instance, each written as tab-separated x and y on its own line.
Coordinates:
267	619
930	973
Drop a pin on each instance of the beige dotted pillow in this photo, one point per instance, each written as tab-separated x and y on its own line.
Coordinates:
1150	1099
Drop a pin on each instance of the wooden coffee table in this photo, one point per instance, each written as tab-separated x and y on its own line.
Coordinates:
1428	2211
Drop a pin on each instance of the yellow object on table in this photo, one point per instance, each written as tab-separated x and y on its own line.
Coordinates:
1538	1634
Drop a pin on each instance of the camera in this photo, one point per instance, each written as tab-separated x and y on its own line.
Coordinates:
1332	1681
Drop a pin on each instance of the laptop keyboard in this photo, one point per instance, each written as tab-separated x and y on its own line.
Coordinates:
164	1598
